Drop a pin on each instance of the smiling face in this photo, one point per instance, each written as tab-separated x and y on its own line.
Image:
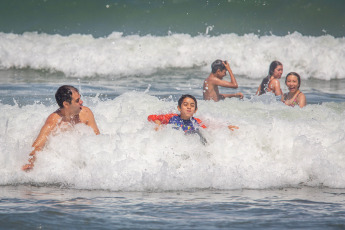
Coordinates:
187	108
278	71
292	83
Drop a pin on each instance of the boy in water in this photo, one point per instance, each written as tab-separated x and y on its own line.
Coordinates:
215	79
187	105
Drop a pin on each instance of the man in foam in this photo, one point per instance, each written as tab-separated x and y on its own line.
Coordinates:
215	79
71	112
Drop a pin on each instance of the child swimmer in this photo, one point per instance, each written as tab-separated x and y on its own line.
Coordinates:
187	105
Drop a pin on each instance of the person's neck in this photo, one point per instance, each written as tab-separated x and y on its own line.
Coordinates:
185	117
215	75
66	116
291	95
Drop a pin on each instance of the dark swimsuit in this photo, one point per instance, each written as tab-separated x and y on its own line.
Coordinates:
186	125
190	126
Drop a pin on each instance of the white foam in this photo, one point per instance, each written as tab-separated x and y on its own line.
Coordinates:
117	55
276	146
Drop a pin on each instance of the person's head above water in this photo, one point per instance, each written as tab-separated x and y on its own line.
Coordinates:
273	66
217	65
296	75
180	101
275	71
64	93
187	105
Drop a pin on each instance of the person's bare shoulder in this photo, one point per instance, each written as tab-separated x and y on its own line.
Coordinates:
53	118
301	96
207	79
275	82
274	85
85	114
85	111
211	80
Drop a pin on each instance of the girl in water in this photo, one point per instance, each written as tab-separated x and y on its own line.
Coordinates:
271	82
294	96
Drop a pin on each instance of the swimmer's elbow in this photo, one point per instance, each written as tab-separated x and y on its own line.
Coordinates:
234	85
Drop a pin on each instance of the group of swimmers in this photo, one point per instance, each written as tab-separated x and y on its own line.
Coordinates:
293	82
269	84
71	110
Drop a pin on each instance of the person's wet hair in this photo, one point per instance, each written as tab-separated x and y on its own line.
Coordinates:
264	83
217	65
180	101
64	93
273	66
296	75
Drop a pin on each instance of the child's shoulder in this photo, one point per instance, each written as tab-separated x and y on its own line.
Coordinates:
175	117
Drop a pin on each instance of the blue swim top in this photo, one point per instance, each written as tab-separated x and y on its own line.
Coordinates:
186	125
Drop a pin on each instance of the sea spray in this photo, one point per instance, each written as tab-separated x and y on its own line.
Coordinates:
275	146
117	56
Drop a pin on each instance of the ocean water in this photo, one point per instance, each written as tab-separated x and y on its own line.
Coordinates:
284	168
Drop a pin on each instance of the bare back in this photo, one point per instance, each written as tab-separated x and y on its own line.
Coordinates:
210	89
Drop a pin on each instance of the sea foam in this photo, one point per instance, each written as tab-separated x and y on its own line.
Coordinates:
118	55
275	146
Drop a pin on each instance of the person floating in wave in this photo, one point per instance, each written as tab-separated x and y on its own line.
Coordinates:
294	96
71	112
271	82
215	79
187	105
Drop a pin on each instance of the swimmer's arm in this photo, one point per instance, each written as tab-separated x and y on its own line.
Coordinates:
275	85
233	82
302	100
258	91
159	120
41	139
163	118
158	124
239	94
282	98
223	83
233	127
200	123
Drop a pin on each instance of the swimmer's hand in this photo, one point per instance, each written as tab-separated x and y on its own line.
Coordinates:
232	127
158	125
227	65
240	95
30	165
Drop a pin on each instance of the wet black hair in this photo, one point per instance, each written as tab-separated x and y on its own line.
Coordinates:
180	101
296	75
217	65
64	93
273	66
264	83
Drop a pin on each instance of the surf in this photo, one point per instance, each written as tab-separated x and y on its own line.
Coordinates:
115	56
276	146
